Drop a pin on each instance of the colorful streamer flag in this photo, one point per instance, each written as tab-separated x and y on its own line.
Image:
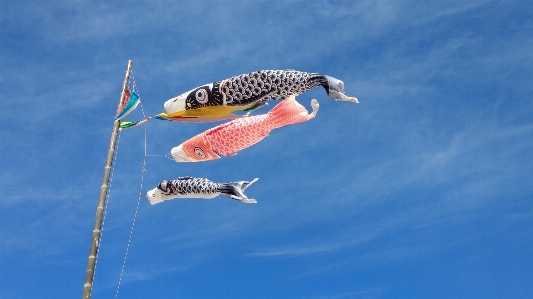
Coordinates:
130	103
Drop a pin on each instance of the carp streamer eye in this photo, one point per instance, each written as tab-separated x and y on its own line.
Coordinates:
201	96
199	152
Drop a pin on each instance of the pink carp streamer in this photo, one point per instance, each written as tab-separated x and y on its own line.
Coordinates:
229	138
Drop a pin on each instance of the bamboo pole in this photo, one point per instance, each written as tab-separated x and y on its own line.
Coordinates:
91	263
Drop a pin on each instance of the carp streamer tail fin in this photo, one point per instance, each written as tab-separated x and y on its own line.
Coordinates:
289	111
336	90
235	190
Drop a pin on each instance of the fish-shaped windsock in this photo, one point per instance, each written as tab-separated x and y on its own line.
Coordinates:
246	92
189	187
229	138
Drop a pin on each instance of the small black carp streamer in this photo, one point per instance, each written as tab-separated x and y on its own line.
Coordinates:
189	187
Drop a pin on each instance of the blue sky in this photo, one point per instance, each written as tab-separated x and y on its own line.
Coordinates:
423	190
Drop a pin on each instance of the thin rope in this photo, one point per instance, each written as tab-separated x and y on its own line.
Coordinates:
168	156
144	116
131	232
134	87
138	200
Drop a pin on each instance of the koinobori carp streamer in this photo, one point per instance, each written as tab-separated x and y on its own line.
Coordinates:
229	138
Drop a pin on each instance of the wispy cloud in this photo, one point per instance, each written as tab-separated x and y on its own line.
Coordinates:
293	251
461	166
105	281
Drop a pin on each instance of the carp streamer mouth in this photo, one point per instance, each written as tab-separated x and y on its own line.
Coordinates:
179	155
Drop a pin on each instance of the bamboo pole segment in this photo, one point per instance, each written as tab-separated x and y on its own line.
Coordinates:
91	263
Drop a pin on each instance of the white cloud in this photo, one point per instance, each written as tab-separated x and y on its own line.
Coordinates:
293	251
